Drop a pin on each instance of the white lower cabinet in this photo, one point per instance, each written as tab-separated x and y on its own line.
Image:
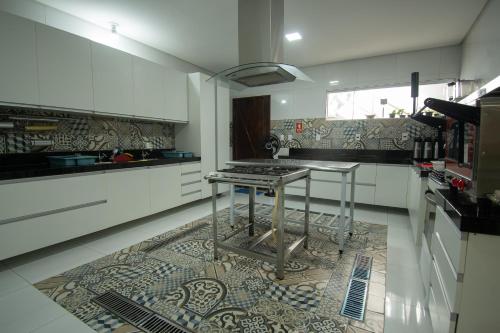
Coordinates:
416	203
441	316
374	185
128	195
391	185
164	187
39	213
191	182
463	291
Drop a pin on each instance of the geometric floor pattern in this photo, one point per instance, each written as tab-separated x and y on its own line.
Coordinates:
175	276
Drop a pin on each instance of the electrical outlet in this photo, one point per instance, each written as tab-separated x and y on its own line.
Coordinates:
290	137
282	137
358	137
404	136
318	137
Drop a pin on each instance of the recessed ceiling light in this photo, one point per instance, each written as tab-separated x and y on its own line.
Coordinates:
334	82
283	101
293	36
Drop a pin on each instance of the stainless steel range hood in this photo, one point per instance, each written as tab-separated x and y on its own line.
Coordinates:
260	47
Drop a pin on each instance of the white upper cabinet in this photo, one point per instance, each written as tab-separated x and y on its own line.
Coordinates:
64	69
17	60
112	80
176	95
149	89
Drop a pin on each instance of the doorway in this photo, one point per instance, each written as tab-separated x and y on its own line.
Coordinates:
251	126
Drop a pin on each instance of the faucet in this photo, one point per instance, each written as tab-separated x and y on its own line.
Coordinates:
145	154
101	156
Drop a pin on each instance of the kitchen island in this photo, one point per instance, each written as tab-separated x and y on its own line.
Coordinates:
344	168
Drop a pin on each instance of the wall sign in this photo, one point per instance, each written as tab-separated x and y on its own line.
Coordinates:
298	127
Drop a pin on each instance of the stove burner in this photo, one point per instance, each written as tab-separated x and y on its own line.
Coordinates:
256	170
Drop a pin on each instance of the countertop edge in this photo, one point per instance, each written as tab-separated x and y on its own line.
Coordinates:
8	177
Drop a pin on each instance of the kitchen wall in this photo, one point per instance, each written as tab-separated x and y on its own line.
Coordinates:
379	134
481	47
308	99
38	12
81	132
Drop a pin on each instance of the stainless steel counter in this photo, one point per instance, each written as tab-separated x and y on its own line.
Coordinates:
329	166
344	168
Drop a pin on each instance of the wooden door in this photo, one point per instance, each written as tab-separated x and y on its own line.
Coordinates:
251	126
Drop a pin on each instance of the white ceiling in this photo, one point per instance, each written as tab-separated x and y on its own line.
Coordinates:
335	30
205	33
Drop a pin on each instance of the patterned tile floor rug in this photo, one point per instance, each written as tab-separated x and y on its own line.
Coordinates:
174	275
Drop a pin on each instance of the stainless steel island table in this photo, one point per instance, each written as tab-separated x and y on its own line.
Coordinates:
345	168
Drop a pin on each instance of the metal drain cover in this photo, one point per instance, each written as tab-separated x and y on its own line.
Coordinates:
137	315
357	290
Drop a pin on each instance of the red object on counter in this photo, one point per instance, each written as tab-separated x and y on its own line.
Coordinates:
122	158
425	165
458	183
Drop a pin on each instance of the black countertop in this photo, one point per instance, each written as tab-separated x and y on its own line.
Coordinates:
482	217
18	166
354	155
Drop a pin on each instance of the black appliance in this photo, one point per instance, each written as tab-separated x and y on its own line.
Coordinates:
417	149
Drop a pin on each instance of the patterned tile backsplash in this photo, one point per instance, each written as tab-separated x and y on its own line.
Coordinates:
81	132
382	134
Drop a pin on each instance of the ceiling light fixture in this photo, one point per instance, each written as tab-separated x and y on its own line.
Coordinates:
293	36
334	83
283	101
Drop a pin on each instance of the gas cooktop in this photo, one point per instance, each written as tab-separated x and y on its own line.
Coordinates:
257	170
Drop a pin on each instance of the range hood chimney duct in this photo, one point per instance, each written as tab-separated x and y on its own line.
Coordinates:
260	31
260	46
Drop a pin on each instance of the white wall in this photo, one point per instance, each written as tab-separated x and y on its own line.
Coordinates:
47	15
481	47
308	100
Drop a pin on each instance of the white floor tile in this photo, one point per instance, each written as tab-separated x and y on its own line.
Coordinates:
10	281
404	285
27	309
66	323
405	318
42	264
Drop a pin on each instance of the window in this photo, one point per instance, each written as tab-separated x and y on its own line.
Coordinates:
378	103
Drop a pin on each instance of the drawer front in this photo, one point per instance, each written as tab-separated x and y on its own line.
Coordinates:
295	190
41	196
35	233
448	274
425	267
325	190
330	190
190	197
323	175
299	183
365	174
451	239
441	316
190	167
187	189
191	177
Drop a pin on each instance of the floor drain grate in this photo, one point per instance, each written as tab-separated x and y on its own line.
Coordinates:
136	314
357	290
362	267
